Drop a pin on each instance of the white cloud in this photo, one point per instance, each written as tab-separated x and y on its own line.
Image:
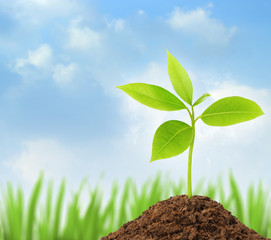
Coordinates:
140	12
82	38
39	58
154	73
199	23
117	24
230	88
35	65
46	155
39	11
40	62
65	74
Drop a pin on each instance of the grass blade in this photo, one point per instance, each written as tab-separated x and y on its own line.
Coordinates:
236	198
31	213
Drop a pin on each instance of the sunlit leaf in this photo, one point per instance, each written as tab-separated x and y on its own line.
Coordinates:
180	79
170	139
201	99
231	110
153	96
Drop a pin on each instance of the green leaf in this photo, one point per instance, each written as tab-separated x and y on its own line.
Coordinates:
201	99
170	139
180	79
231	110
153	96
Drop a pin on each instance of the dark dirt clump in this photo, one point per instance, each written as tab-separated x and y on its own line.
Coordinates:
182	218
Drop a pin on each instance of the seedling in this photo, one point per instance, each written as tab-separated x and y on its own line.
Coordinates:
174	137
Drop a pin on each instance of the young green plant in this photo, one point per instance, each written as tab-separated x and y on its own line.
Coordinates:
174	137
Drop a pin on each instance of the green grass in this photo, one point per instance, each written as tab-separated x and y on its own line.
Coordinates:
55	218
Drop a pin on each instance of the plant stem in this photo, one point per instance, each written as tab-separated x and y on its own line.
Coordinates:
189	177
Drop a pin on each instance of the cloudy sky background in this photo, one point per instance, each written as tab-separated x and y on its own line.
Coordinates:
60	61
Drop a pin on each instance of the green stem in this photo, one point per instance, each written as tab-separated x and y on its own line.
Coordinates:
189	177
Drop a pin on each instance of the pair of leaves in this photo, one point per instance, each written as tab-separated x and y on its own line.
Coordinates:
174	137
181	81
159	98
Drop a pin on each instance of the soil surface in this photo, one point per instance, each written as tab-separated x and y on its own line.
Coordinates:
182	218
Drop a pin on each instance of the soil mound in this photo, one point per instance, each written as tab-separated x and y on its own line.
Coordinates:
182	218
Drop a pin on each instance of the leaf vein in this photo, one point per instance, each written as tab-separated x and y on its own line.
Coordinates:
162	100
237	112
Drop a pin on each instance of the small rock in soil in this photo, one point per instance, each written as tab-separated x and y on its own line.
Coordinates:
182	218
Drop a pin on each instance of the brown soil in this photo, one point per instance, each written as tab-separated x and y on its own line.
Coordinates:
182	218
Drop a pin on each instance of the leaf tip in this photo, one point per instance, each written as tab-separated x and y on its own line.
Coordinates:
168	53
153	158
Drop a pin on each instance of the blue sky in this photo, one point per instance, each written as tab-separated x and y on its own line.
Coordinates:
61	60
